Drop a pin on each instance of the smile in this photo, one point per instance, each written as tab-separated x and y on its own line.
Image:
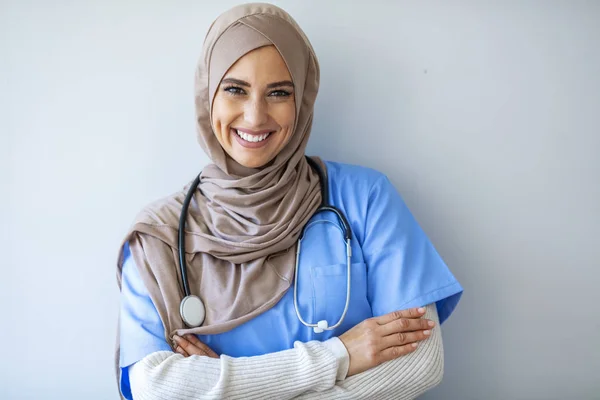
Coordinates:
250	139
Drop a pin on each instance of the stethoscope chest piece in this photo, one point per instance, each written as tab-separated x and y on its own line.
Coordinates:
192	311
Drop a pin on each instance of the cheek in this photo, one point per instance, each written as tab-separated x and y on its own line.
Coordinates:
223	114
285	116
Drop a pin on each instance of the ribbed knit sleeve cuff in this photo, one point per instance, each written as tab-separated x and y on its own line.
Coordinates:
336	346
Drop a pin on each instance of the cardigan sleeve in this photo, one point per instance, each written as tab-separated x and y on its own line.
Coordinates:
306	372
283	375
404	378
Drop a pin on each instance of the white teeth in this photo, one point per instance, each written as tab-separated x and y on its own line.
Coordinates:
252	138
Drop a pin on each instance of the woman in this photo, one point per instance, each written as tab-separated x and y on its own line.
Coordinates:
255	88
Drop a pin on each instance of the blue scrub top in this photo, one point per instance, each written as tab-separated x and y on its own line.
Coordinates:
394	267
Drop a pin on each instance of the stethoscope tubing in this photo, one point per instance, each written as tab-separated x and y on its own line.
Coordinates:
196	303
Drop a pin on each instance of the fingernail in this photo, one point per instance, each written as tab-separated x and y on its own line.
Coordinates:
421	310
431	323
415	344
176	338
426	333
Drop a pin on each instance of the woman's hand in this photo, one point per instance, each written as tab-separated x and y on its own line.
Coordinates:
380	339
190	345
370	343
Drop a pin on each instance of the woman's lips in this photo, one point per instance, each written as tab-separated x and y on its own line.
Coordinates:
248	134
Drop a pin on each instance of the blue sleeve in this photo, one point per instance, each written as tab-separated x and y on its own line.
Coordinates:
141	330
404	269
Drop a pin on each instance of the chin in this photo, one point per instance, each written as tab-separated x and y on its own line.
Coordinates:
251	162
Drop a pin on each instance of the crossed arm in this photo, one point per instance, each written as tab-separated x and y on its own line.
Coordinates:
381	363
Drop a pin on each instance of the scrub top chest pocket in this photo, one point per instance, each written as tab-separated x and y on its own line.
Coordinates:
323	267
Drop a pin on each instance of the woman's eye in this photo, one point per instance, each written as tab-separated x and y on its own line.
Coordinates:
234	90
279	93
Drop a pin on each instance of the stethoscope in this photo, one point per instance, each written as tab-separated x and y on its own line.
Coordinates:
192	308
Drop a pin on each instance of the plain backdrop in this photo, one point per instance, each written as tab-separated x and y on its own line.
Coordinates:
485	115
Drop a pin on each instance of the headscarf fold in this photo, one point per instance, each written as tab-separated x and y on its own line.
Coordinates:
243	223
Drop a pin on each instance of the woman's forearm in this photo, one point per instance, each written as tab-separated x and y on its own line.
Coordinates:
282	375
306	372
404	378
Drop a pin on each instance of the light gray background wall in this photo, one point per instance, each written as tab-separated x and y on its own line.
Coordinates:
486	115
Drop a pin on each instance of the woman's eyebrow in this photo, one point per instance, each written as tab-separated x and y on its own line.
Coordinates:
269	86
235	81
279	84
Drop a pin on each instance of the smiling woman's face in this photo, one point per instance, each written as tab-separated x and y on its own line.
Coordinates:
253	109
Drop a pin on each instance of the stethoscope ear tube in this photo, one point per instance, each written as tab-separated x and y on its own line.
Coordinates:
181	234
323	325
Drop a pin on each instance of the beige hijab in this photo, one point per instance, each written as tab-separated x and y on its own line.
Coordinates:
243	223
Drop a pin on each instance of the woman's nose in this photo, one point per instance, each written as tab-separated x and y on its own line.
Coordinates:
256	113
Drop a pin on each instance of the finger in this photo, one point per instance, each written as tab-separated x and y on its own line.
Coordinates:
394	315
392	353
181	351
196	342
405	325
402	338
188	347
